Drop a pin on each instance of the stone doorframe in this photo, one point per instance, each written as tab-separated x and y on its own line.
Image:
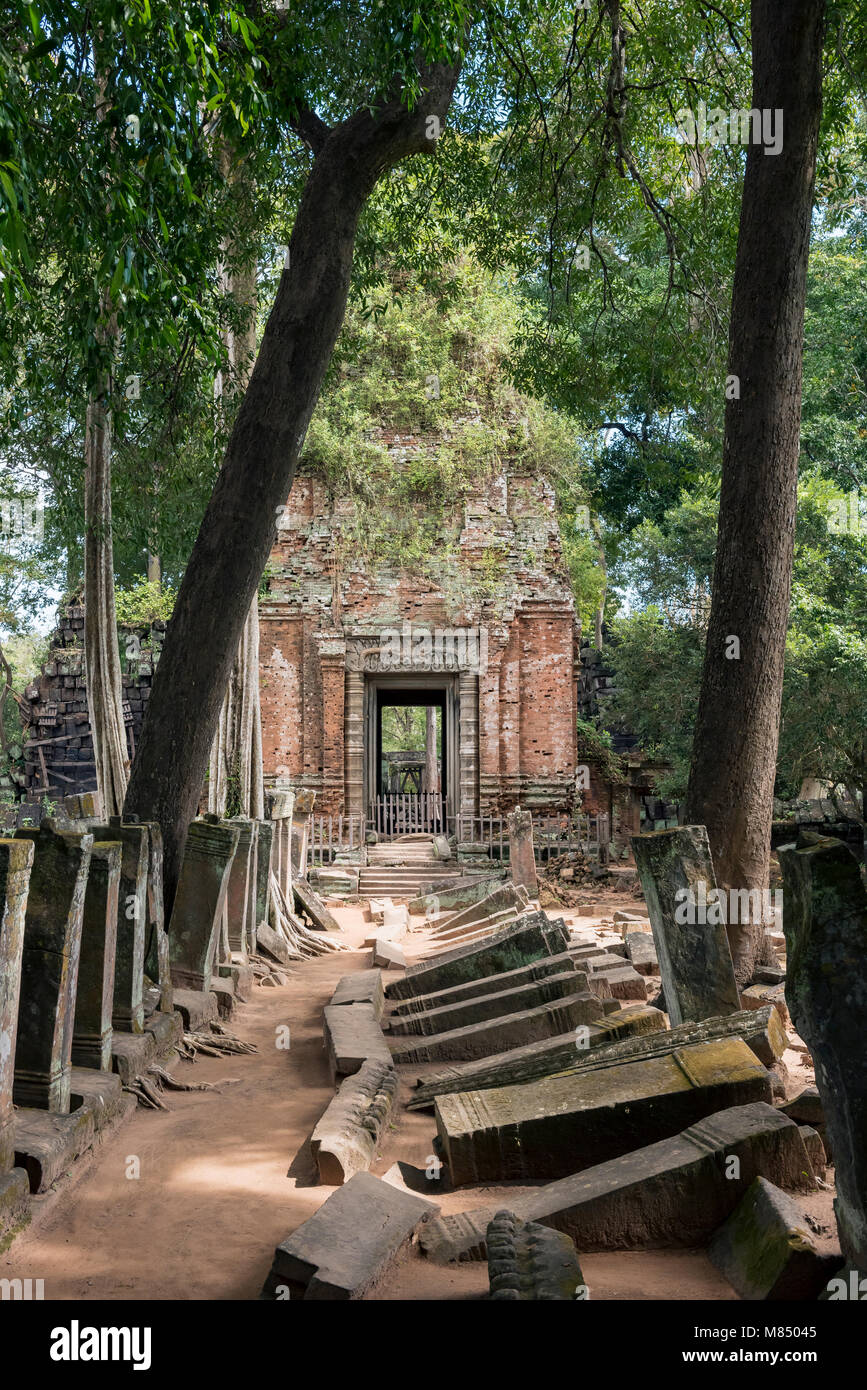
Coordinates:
461	733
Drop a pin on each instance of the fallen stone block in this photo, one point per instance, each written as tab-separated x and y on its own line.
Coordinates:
807	1108
306	900
479	1008
695	962
102	1093
671	1194
47	1144
223	990
528	1261
395	919
345	1139
756	996
132	1054
345	1248
196	1007
621	916
642	952
493	984
240	975
387	955
447	935
539	1059
528	939
766	1249
504	898
364	987
499	1034
270	943
560	1124
167	1031
352	1037
621	983
450	894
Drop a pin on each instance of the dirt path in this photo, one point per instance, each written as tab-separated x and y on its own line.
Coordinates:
225	1176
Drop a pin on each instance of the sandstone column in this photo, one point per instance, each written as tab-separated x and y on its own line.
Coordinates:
240	882
157	963
676	869
94	995
522	860
302	810
354	743
49	967
468	687
198	906
16	860
264	845
128	1009
825	921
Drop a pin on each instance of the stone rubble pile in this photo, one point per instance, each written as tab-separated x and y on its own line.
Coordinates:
630	1123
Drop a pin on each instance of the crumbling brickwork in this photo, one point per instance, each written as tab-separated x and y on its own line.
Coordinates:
328	619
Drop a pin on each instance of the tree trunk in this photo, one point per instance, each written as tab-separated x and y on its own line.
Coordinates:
734	755
239	526
101	652
235	774
431	764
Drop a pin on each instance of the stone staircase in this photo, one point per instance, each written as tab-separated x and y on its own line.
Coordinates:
403	869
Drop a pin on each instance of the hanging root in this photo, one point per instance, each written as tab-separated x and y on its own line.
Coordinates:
301	942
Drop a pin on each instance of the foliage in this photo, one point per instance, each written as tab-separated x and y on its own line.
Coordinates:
143	605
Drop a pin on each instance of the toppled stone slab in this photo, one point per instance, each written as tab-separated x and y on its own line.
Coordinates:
695	961
196	1007
345	1139
240	975
352	1037
451	894
562	1123
478	1008
528	1261
364	987
347	1246
492	984
505	897
642	952
766	1249
499	1034
530	938
447	935
306	900
675	1193
270	943
807	1108
541	1058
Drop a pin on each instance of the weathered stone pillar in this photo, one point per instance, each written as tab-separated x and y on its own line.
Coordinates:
94	995
157	962
522	860
128	1009
468	687
677	876
264	846
16	860
332	661
302	810
49	967
825	921
241	887
489	733
202	889
354	742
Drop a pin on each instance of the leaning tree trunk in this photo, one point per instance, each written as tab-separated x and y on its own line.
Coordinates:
734	754
239	526
101	652
235	774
